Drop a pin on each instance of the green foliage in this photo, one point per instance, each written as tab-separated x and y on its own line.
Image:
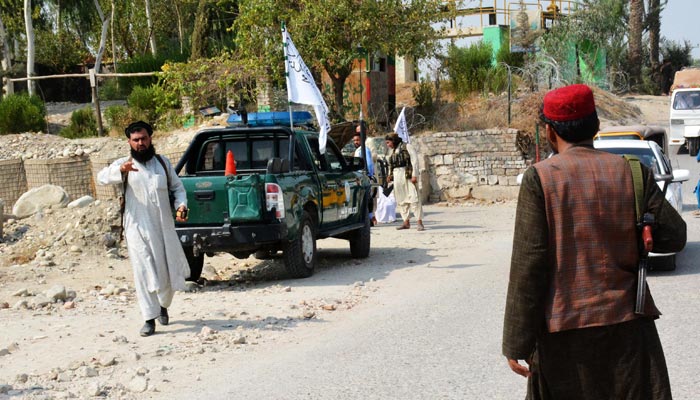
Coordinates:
468	68
205	82
679	54
331	34
119	117
82	124
504	55
61	52
111	90
424	96
599	23
144	63
21	113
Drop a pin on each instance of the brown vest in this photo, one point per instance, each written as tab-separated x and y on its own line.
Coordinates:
589	201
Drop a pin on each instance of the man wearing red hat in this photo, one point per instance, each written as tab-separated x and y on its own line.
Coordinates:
570	309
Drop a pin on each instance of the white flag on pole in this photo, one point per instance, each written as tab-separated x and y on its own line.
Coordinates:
401	128
302	89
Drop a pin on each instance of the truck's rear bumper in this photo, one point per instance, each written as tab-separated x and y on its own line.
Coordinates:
232	238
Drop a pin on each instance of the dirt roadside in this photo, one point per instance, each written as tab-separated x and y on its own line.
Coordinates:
70	319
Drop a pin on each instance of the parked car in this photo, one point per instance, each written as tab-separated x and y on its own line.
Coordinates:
636	132
651	155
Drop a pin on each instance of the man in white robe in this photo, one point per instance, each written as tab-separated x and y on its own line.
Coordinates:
158	261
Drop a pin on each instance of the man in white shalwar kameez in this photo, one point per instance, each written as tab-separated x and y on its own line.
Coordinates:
157	258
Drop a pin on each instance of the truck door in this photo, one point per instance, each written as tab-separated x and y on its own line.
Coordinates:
329	177
350	201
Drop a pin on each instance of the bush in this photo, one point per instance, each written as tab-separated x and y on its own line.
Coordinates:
21	113
82	124
119	117
468	68
142	98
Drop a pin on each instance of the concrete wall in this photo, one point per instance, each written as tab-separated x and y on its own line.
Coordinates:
457	165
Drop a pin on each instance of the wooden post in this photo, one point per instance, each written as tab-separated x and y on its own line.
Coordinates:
96	102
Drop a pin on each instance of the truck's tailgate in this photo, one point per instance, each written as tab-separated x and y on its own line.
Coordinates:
214	199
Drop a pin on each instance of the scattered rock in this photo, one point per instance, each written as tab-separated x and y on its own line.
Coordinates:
39	198
69	305
81	202
57	292
240	339
309	314
106	360
138	384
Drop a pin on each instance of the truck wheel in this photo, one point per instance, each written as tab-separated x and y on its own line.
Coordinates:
360	240
693	145
299	254
195	262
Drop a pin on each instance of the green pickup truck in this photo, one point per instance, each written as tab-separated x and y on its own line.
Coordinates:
271	204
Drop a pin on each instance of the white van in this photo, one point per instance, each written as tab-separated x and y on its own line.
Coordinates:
684	118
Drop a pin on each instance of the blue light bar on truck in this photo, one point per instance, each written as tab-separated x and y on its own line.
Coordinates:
272	118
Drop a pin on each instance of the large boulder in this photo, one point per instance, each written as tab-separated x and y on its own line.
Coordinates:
38	199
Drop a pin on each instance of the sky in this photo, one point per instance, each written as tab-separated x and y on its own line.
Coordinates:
680	21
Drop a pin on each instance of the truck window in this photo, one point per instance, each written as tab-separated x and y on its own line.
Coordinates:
687	101
332	161
253	157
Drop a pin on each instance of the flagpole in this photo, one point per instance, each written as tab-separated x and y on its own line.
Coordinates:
363	133
289	103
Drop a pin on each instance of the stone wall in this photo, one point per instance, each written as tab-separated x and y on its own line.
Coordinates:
453	164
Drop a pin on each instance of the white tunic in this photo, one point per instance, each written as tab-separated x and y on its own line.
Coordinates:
159	263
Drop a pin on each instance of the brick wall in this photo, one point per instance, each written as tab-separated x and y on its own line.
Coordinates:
454	163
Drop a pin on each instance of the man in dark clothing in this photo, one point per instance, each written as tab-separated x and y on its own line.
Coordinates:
571	296
666	70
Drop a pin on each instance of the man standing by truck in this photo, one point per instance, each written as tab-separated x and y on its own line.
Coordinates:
148	179
357	142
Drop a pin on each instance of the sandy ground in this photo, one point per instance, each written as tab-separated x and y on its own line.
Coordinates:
87	344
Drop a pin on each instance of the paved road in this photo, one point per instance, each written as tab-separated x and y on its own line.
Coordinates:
433	331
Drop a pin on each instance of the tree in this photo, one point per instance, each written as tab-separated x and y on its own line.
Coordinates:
31	87
151	33
654	26
201	30
330	35
636	29
8	86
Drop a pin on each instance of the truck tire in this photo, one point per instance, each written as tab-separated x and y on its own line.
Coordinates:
299	254
195	262
693	146
360	239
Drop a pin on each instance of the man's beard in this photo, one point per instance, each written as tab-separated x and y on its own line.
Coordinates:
143	156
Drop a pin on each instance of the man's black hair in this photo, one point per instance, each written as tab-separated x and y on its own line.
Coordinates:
574	131
137	126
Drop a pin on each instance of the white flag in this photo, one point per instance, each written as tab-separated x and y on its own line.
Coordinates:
302	89
401	128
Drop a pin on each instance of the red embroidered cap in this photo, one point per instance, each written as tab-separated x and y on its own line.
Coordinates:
569	103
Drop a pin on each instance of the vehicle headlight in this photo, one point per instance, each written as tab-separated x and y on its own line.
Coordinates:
677	122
